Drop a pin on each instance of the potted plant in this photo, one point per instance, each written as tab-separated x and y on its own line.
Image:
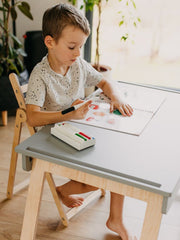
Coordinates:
11	51
89	6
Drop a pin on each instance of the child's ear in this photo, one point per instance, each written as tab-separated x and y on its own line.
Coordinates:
48	40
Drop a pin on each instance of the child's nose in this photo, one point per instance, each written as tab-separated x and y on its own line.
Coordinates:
77	53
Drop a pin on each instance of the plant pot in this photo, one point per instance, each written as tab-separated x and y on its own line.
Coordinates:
7	97
106	72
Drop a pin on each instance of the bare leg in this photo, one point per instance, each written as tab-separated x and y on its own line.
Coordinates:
66	191
115	221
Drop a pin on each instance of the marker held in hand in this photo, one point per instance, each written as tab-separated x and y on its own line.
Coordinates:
73	108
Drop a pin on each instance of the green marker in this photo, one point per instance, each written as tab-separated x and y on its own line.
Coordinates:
81	136
117	112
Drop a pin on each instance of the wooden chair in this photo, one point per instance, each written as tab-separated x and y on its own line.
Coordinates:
20	119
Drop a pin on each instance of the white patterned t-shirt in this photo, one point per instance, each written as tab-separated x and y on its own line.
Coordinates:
54	92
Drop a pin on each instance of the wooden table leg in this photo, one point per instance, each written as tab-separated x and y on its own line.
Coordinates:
153	216
33	201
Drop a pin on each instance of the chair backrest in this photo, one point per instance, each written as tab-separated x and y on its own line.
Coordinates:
19	93
18	90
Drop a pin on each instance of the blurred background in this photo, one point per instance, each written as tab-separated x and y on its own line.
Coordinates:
151	54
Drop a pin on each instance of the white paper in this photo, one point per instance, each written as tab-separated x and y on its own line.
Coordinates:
145	102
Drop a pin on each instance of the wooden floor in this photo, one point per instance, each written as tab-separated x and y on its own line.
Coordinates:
87	225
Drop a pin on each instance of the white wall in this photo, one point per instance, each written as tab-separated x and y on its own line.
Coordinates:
38	8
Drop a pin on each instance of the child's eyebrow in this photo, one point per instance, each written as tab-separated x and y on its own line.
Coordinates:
72	42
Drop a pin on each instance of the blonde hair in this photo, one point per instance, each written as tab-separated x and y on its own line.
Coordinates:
55	19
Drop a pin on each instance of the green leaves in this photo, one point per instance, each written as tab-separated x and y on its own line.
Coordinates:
5	4
121	23
73	2
21	52
125	37
88	4
133	3
13	13
128	19
2	9
25	9
12	66
15	40
11	49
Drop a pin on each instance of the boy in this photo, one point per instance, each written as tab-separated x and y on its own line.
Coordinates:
58	82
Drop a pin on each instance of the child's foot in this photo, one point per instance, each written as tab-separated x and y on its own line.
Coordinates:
119	229
69	200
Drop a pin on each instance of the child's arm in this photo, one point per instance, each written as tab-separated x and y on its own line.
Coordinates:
36	117
116	102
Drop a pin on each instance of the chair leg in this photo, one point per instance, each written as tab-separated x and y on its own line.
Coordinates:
58	202
14	155
4	117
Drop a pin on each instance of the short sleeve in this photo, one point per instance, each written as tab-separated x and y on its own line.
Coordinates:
93	77
36	90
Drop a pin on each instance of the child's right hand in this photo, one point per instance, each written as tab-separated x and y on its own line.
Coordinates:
81	112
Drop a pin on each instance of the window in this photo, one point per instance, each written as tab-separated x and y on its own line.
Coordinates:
151	54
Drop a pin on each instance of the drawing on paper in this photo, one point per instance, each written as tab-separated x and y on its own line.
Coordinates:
145	103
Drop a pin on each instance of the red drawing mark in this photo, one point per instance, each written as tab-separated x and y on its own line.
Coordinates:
89	119
100	114
94	106
111	121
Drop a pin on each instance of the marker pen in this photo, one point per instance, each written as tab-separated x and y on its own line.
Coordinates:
73	108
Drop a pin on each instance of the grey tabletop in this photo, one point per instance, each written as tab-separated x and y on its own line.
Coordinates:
149	161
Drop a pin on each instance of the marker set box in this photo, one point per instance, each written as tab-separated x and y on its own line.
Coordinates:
72	135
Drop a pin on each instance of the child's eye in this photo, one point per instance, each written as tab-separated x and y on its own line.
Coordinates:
71	48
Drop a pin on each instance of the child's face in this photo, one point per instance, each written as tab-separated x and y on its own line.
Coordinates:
69	45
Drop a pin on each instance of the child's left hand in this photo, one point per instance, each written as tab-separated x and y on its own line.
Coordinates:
124	108
110	90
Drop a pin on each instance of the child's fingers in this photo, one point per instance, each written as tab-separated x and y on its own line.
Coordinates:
125	110
128	110
89	102
77	101
86	105
111	107
122	111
